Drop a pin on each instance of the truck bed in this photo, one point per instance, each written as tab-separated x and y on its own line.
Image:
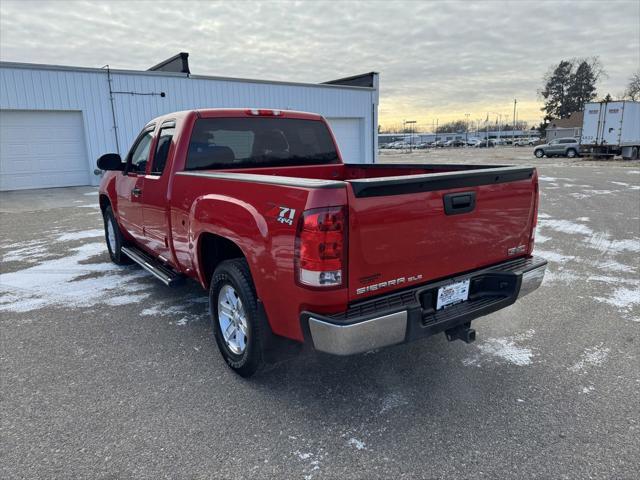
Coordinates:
416	223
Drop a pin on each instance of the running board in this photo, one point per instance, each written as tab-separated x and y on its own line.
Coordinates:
166	275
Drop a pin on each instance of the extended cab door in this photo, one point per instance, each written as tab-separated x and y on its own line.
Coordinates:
155	211
130	186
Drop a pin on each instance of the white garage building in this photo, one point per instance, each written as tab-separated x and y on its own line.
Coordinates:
55	121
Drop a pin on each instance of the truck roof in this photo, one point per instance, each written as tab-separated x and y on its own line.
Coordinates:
240	112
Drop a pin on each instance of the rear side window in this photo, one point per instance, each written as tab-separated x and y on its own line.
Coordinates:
162	150
569	140
259	142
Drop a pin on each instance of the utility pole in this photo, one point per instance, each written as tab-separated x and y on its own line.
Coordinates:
436	144
513	136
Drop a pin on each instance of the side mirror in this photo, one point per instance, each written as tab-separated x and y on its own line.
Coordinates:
110	161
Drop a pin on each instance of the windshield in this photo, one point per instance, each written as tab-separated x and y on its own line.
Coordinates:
259	142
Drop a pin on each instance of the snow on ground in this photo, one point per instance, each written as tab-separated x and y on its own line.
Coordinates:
591	357
70	281
358	444
81	235
620	284
502	350
565	226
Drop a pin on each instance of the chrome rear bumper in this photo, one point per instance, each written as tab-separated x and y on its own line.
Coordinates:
356	332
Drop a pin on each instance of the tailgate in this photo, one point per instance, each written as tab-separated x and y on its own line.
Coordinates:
408	230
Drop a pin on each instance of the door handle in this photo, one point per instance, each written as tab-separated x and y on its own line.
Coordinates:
455	203
136	192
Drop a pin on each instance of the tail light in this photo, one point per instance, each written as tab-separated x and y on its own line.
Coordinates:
321	248
534	220
263	112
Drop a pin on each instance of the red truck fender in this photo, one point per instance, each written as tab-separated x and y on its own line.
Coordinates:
236	221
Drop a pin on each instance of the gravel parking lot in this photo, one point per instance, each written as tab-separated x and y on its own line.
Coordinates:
106	373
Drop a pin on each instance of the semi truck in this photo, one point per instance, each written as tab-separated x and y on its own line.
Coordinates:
611	128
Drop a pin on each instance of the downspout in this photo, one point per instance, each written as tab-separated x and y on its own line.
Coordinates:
374	116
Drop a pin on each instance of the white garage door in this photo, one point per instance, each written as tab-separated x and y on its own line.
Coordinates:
349	135
41	150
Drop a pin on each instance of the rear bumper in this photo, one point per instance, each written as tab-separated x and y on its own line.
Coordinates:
408	315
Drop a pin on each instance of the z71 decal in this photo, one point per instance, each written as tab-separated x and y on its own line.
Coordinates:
286	215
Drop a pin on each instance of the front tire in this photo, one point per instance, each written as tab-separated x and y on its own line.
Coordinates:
539	153
237	325
113	237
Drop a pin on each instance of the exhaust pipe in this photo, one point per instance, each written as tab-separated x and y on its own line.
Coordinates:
461	332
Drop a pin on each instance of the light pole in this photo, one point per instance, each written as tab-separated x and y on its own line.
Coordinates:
513	136
498	116
412	123
466	131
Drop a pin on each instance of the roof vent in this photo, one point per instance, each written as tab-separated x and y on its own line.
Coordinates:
178	63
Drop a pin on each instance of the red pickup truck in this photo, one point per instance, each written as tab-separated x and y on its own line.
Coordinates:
258	207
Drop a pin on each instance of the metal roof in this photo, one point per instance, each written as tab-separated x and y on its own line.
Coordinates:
157	73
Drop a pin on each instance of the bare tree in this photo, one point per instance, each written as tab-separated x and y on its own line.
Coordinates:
633	89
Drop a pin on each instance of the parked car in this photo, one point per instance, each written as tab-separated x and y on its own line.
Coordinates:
560	147
484	144
291	243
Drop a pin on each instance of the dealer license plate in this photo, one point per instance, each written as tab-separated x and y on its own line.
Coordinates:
452	294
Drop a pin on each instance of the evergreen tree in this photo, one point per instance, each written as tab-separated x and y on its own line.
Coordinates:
569	85
555	91
582	87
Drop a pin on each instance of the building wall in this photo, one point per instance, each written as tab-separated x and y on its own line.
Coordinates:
42	87
553	133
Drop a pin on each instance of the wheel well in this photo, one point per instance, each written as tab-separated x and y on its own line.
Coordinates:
104	202
213	249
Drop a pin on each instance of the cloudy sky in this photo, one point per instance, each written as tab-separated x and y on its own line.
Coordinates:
437	59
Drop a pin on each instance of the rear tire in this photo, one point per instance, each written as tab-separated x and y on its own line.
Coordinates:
113	237
233	305
539	153
571	153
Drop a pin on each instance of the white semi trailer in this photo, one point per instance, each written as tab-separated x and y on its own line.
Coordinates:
611	128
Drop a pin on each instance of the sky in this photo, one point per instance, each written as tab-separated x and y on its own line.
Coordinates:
436	59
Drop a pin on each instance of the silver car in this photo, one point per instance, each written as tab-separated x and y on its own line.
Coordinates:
563	147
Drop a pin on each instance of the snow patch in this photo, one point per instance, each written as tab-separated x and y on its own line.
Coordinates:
562	276
67	237
588	389
613	266
358	444
592	356
554	256
623	298
505	349
542	238
303	456
566	226
186	316
30	252
70	281
602	243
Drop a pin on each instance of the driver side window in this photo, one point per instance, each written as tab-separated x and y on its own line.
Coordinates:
140	153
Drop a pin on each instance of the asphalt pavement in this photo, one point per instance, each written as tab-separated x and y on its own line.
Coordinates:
106	373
